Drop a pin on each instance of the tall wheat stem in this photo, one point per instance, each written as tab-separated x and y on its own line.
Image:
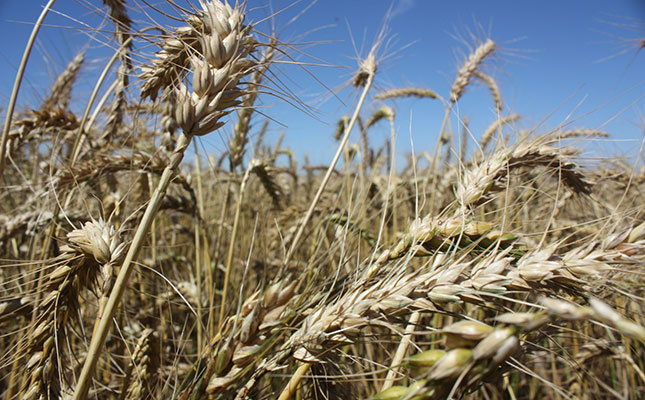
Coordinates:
323	184
294	381
96	344
231	245
433	163
395	214
402	350
16	85
197	228
217	247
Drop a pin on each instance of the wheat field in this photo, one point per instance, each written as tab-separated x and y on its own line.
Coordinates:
133	266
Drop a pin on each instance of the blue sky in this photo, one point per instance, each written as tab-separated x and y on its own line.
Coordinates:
559	62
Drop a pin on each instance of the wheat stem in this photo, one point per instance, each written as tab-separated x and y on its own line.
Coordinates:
323	184
197	228
16	85
291	387
96	344
231	245
401	350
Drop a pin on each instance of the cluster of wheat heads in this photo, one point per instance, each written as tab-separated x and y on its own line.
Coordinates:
127	272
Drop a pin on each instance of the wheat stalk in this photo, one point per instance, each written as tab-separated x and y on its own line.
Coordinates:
215	78
16	85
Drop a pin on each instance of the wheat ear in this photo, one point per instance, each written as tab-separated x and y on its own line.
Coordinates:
62	88
226	46
469	68
91	251
493	88
494	127
456	91
408	92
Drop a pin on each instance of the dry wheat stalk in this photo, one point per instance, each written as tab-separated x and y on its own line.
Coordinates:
17	82
364	77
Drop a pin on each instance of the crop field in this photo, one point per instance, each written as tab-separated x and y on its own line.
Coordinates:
498	264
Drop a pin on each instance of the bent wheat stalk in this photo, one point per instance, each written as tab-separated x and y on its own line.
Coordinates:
16	85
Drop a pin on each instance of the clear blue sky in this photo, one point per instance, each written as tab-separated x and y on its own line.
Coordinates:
572	61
